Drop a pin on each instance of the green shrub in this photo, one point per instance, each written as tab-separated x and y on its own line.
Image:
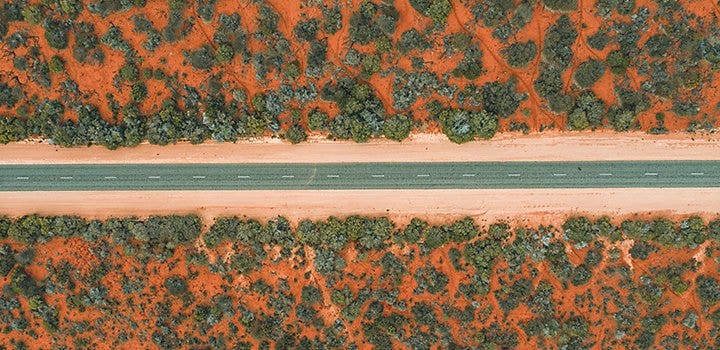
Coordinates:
397	127
588	72
519	54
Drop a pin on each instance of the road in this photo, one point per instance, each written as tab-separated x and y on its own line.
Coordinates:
328	176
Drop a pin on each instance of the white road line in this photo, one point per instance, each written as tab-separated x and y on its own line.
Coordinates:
66	177
22	177
110	177
153	177
514	175
198	177
288	176
697	174
559	174
651	174
378	175
243	177
468	175
423	175
605	174
334	176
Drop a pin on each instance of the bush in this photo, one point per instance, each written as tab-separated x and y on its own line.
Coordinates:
295	134
412	40
332	19
471	66
561	5
317	120
588	72
501	99
56	33
462	126
224	53
397	127
307	29
519	54
202	58
56	65
617	61
588	112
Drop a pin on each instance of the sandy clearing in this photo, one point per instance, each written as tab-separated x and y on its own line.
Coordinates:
486	205
550	146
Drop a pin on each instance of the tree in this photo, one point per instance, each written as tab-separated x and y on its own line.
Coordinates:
519	54
588	72
201	58
56	33
561	5
397	127
501	99
295	134
317	120
307	29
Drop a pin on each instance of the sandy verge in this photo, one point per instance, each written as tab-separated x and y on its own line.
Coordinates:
549	146
486	205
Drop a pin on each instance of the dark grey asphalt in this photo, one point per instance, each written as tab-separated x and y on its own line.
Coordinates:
614	174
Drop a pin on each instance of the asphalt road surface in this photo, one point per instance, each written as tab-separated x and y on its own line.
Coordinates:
329	176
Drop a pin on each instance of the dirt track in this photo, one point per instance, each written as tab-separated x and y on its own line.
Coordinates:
424	147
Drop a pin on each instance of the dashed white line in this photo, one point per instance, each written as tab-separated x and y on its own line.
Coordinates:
423	175
333	176
153	177
697	174
243	177
468	175
110	177
651	174
22	177
605	174
198	177
514	175
288	176
559	174
378	175
66	177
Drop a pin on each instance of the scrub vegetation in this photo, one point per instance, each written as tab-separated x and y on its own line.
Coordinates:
117	73
355	282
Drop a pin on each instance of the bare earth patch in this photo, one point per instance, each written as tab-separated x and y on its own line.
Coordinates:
549	146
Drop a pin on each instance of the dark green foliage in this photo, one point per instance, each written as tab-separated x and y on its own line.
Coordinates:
56	33
519	54
175	285
29	229
307	29
412	39
397	127
317	56
296	134
493	12
641	250
362	113
559	39
588	112
393	267
370	65
12	129
549	86
317	120
86	47
56	65
471	66
588	72
657	45
579	230
431	280
561	5
617	61
437	10
202	58
501	99
114	38
462	126
371	21
708	290
332	19
599	40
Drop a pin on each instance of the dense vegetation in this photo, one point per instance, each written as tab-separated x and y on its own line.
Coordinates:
117	73
68	282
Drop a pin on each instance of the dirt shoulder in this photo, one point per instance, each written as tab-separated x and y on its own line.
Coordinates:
521	206
553	146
